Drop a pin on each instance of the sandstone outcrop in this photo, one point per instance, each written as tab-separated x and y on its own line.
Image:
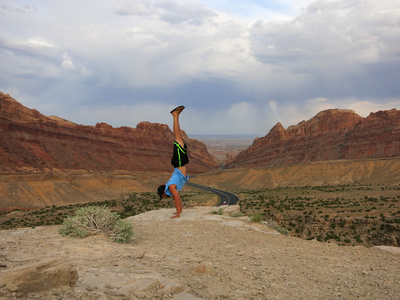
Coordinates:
38	277
33	143
331	135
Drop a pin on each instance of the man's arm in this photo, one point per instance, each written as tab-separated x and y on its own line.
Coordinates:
174	191
177	199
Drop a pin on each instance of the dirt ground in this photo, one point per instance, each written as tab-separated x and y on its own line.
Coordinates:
204	256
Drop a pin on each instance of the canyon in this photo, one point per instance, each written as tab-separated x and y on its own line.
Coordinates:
46	160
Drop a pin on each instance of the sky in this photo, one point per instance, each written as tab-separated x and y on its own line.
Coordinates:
239	67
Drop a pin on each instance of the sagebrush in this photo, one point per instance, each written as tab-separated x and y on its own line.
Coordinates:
97	219
220	211
256	217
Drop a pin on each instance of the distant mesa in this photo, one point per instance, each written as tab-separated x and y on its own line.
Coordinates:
104	126
332	134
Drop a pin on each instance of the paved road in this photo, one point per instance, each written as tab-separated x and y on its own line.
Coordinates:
226	197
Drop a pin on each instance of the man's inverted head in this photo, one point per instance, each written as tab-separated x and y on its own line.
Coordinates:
161	191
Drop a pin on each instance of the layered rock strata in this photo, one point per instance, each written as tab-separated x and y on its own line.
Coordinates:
31	142
331	135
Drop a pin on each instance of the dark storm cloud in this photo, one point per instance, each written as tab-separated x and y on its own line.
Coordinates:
348	47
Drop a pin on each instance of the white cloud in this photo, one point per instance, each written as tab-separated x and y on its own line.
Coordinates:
40	42
292	115
67	62
365	107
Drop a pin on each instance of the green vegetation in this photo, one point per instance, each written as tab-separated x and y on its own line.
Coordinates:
237	214
256	217
50	215
345	214
130	205
220	211
278	228
356	214
94	219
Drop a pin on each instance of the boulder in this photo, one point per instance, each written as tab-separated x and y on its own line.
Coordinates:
232	209
40	276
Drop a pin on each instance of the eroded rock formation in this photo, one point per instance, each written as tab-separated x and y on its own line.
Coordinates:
330	135
31	142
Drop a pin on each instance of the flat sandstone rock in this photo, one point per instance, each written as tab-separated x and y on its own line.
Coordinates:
40	276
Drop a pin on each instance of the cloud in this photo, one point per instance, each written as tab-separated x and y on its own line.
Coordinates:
337	40
290	114
241	66
253	10
171	11
139	8
333	49
25	8
364	108
178	12
124	114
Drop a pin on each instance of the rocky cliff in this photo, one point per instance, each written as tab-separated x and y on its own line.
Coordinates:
33	143
330	135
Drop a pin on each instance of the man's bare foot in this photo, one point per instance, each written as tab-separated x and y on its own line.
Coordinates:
176	216
177	110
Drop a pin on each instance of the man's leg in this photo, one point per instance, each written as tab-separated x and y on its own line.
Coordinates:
176	127
177	132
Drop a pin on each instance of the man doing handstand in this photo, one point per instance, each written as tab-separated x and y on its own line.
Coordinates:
179	161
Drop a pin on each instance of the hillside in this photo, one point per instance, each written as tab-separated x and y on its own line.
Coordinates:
33	143
199	256
32	191
330	135
366	171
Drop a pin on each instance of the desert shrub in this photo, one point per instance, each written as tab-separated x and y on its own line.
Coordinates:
330	235
278	228
94	219
220	211
237	214
256	217
358	239
122	232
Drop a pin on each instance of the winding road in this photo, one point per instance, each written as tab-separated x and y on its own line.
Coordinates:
226	197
